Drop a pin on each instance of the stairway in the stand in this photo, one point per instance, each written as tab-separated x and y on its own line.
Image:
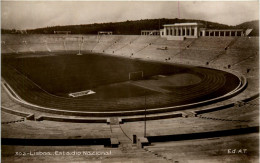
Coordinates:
119	134
128	149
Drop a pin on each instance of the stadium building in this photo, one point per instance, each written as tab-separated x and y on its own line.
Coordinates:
150	32
189	98
180	31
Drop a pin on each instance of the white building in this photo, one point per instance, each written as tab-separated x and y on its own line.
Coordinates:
222	32
105	32
180	31
150	32
62	32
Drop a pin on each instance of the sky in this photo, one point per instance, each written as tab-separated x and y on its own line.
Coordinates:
36	14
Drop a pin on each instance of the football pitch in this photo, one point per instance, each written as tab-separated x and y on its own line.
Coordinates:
117	83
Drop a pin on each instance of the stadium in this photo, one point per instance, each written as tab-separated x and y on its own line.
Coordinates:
104	97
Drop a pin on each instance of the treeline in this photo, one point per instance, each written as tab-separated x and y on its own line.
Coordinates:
250	25
121	28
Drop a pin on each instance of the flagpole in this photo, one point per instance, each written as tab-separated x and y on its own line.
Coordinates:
145	115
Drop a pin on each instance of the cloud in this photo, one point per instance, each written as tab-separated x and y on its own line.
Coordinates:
231	13
33	14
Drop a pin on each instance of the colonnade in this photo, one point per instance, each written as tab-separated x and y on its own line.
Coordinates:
150	32
221	33
181	31
105	33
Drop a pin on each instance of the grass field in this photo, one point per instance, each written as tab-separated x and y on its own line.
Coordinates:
46	79
65	73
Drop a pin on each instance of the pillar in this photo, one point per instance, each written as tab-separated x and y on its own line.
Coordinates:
185	31
190	31
181	32
164	31
196	31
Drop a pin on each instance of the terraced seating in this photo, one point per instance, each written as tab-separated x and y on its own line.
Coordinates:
250	62
139	46
108	38
55	130
116	46
203	55
10	118
129	39
88	45
121	43
104	42
199	51
38	47
59	46
18	48
102	46
211	42
5	49
246	43
208	150
151	52
72	45
179	126
124	154
40	39
131	48
12	39
232	57
90	38
178	44
248	112
145	39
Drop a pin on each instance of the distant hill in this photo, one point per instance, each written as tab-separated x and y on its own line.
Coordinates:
124	28
252	25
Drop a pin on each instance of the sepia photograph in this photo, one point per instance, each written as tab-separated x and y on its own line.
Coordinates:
130	81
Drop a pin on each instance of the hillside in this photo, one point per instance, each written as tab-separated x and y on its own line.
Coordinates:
128	27
252	25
